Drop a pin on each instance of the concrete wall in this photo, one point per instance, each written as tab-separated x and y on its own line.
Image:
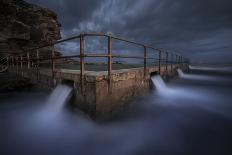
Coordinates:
99	98
124	87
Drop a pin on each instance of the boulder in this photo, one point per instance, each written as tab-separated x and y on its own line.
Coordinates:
24	25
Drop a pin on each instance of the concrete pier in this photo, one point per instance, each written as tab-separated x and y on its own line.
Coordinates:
98	93
98	96
101	99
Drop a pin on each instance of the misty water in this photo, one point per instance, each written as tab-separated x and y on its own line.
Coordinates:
189	114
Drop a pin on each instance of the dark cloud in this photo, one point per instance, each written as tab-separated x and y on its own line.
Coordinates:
70	12
198	29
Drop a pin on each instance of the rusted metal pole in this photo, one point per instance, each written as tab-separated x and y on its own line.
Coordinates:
28	60
159	61
32	63
13	63
37	66
176	62
17	64
53	66
171	62
180	60
166	61
21	64
21	61
7	61
82	64
109	62
145	61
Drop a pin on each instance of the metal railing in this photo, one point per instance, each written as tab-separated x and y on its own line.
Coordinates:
32	57
3	64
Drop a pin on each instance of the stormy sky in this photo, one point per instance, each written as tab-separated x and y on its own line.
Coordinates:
198	29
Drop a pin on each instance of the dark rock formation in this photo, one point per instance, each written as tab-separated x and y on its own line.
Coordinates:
11	82
24	25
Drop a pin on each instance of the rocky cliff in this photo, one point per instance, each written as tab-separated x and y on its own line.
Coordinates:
24	25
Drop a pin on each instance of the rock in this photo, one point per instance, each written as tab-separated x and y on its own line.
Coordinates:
11	82
24	25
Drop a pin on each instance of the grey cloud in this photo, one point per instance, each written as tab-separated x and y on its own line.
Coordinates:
70	12
190	27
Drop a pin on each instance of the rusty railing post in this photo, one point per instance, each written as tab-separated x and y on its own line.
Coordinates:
37	65
159	61
109	63
13	65
145	61
166	61
11	62
7	61
171	62
53	67
28	60
32	62
21	62
82	64
176	60
17	64
179	60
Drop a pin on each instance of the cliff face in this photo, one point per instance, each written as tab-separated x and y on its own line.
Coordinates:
24	25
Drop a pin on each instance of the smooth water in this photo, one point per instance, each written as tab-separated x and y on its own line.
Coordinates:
203	77
182	116
220	69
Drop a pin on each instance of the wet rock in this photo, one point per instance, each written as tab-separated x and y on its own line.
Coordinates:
24	25
11	82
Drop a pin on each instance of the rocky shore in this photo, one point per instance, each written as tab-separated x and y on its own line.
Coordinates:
11	82
24	25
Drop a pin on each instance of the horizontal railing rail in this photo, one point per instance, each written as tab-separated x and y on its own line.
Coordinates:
32	56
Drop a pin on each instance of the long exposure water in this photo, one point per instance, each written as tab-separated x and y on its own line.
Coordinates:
190	114
57	100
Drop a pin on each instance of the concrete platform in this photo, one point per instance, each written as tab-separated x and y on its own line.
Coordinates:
98	96
101	99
